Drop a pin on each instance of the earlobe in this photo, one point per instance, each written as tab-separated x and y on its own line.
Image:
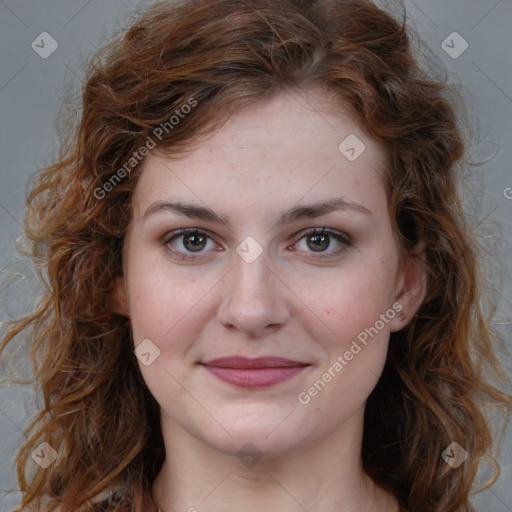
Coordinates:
119	297
411	293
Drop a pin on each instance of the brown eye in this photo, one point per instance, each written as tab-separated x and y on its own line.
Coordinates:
194	242
318	242
188	243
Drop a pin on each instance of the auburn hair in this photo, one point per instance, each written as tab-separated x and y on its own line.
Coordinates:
221	56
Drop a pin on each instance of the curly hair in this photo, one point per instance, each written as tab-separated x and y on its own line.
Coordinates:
220	57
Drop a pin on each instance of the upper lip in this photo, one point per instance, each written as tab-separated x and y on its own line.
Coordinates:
240	362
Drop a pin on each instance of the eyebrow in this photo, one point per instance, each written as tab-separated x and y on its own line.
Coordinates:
293	215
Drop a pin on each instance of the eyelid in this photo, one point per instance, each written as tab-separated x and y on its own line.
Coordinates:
322	231
168	237
343	238
186	231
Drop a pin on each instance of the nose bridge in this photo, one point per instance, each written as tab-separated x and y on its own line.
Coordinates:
252	277
254	299
251	272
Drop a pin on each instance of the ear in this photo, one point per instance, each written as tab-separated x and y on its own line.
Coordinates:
119	297
411	289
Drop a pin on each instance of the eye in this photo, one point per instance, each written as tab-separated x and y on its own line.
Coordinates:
318	240
191	245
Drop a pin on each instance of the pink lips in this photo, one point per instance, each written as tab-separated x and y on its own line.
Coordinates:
254	373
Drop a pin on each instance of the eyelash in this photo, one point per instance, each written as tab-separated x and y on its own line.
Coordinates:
342	238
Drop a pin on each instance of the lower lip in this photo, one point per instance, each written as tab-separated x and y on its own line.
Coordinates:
255	377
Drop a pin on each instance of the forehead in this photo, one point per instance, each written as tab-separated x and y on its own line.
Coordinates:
281	149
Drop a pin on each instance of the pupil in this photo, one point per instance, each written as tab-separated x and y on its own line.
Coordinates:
196	241
320	239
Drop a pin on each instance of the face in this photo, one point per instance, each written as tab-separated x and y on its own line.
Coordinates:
270	240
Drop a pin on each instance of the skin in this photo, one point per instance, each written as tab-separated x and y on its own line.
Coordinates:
269	158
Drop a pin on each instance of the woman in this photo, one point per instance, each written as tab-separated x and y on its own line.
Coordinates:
262	291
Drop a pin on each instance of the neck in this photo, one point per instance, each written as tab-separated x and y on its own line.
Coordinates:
326	475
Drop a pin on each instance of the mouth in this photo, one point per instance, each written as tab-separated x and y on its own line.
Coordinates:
254	372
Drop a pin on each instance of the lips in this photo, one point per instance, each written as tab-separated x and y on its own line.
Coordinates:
254	372
240	362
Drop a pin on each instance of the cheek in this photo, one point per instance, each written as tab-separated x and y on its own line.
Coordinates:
164	305
168	309
351	333
352	299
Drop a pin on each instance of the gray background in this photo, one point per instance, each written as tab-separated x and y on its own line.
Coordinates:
31	89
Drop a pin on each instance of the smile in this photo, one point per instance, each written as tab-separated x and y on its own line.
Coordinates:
254	373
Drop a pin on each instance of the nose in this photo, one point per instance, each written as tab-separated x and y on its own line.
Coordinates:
255	298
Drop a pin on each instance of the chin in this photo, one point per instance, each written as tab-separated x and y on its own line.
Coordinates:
254	443
268	431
